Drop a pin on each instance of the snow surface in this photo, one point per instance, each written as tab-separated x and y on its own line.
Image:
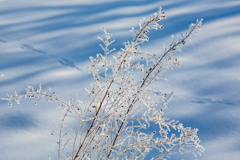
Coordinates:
49	42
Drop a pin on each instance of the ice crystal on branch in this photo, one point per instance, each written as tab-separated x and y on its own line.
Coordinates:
115	119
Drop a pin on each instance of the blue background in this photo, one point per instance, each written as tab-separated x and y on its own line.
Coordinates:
50	42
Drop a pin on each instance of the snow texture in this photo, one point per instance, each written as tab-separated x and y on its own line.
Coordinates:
50	42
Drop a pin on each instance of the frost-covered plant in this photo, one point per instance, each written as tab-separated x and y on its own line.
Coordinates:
120	108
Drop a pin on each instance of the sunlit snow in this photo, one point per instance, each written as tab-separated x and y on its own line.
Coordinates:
50	42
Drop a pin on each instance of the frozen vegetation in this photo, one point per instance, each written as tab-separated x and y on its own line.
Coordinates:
49	42
121	106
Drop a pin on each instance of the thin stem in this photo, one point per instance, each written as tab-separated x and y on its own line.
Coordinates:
135	100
